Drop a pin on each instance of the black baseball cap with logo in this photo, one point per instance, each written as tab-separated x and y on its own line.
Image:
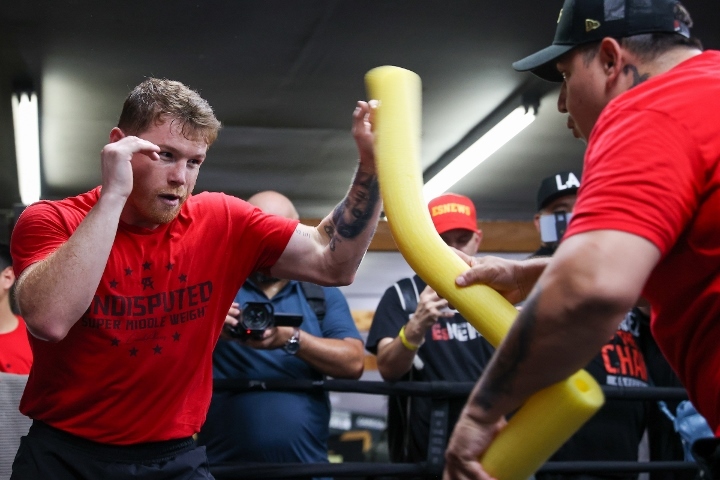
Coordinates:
585	21
556	186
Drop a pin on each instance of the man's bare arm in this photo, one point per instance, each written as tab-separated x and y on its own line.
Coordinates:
55	292
330	253
578	302
338	358
513	279
393	359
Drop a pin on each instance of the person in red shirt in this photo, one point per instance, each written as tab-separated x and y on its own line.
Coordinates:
125	290
637	87
15	353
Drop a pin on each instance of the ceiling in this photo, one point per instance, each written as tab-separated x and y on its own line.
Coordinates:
283	77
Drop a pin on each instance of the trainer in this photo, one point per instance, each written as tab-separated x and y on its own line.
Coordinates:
638	88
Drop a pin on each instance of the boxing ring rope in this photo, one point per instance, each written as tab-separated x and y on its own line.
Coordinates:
437	390
414	470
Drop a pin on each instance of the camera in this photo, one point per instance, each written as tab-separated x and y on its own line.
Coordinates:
256	317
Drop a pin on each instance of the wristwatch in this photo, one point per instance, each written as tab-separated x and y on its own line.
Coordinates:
293	343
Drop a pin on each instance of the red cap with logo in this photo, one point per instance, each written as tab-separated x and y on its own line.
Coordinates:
451	211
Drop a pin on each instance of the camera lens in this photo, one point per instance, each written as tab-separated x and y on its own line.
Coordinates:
257	316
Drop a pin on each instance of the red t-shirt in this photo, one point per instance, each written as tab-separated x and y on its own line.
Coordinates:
15	353
137	366
652	168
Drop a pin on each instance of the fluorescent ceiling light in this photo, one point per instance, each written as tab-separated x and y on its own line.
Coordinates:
478	152
27	145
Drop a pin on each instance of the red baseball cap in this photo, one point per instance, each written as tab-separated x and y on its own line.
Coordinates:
451	211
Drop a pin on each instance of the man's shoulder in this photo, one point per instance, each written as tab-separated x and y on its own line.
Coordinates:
211	200
67	209
697	76
83	201
419	282
403	294
215	206
408	282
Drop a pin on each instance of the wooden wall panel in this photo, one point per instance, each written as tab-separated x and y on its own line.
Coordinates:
498	236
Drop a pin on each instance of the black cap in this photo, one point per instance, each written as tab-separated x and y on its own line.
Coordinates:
585	21
556	186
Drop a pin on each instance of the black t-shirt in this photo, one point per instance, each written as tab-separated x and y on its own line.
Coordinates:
453	351
616	430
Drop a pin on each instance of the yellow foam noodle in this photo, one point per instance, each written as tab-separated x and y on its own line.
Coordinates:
550	416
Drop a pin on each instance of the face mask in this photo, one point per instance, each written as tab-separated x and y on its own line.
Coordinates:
553	226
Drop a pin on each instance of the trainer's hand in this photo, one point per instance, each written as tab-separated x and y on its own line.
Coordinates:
469	440
116	157
503	275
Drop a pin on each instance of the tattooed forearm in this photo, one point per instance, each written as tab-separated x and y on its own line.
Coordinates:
503	368
330	232
352	215
637	78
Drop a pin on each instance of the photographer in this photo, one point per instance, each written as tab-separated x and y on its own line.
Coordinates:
279	426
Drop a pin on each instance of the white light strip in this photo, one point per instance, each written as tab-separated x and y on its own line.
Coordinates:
27	145
478	152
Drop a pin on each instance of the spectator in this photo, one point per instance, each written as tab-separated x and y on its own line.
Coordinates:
615	432
15	363
125	290
416	337
15	354
281	426
555	199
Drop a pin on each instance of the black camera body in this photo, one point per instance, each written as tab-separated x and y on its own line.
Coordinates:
256	317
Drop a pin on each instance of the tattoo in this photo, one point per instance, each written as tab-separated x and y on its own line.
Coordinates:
637	78
330	232
351	216
302	233
505	363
